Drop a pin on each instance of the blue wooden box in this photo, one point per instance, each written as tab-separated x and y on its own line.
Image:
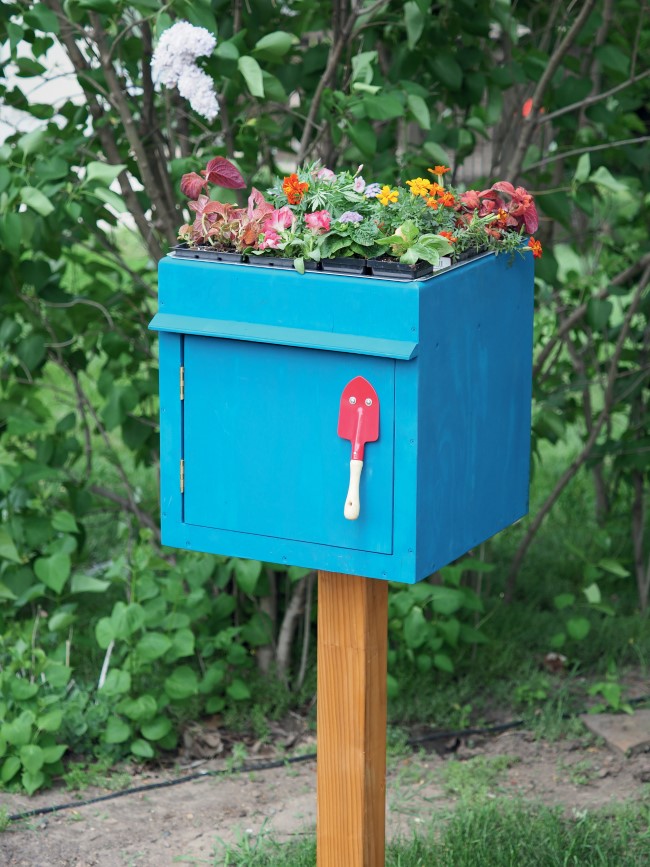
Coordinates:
253	362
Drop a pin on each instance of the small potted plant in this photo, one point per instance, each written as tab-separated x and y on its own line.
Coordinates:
315	219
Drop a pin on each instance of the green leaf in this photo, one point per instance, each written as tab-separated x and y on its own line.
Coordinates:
182	644
10	768
156	729
36	200
182	683
31	757
363	135
275	45
32	142
103	173
447	69
53	753
446	600
602	177
563	600
152	646
227	50
414	20
104	632
117	731
117	682
247	573
53	571
88	584
593	594
143	749
582	169
598	313
250	69
238	690
578	628
139	709
443	662
64	522
384	107
18	732
7	548
613	567
50	721
32	782
22	689
57	674
437	153
419	110
415	628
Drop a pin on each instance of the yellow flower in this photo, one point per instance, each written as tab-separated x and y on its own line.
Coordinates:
420	187
387	195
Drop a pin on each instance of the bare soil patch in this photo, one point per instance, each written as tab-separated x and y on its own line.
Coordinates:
190	823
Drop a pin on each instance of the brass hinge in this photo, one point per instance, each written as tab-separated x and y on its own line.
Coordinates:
182	383
182	476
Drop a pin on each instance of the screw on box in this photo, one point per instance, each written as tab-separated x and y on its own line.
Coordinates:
359	423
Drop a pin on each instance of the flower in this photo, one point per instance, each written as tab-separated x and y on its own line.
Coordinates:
521	207
448	200
174	65
439	170
536	247
318	221
278	219
271	241
448	235
386	196
433	203
372	190
359	184
325	175
294	189
350	217
195	86
420	187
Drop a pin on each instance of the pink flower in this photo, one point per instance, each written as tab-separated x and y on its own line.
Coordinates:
278	219
325	175
359	184
271	240
521	206
318	222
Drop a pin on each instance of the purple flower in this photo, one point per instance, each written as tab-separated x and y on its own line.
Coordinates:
359	184
350	217
372	190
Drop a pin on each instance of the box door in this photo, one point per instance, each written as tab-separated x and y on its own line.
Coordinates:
261	449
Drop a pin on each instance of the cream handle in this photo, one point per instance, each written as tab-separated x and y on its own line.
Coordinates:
351	510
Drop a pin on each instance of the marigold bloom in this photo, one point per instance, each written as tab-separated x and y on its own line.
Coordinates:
448	200
386	196
420	187
294	189
451	238
536	247
432	203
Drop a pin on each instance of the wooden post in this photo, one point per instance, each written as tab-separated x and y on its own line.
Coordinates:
351	720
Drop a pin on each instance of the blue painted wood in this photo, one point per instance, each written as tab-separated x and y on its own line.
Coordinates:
451	464
259	450
283	336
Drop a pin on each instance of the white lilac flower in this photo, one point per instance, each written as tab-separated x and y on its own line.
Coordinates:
372	190
359	184
196	86
350	217
174	65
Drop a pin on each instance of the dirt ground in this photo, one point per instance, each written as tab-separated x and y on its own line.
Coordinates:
191	823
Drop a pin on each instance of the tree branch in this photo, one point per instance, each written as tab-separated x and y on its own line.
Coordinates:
530	123
572	469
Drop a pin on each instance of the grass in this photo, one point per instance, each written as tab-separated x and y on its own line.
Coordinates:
489	834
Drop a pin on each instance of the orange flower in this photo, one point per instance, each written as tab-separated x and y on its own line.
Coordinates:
294	190
536	247
432	203
451	238
438	170
448	200
436	189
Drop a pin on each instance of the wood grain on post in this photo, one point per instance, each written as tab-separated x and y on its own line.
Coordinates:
351	720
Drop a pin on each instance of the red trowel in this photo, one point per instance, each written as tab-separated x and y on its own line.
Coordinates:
359	423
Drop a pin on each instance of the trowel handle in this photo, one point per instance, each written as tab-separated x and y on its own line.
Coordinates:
351	510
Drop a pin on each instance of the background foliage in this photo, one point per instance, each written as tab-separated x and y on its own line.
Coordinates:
110	643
